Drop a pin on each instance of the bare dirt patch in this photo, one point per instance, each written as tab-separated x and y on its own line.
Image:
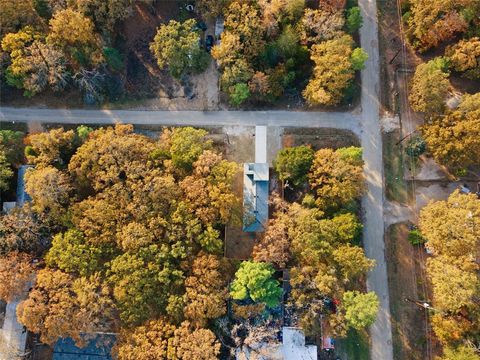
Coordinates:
319	138
406	278
154	88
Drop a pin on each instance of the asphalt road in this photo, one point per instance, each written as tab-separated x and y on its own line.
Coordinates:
366	124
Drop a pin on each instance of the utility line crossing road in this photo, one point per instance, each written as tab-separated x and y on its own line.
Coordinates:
365	124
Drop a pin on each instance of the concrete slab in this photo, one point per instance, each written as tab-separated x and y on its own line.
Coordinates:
260	144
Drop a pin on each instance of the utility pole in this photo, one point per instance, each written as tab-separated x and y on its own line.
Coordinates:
421	304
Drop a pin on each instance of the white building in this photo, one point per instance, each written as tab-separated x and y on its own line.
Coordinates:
292	348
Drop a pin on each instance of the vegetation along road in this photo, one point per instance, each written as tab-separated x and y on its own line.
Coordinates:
365	124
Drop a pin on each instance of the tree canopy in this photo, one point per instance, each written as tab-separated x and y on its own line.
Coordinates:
337	179
176	45
140	230
361	309
293	164
452	231
429	88
254	281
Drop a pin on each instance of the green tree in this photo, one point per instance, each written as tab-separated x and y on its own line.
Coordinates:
254	281
360	309
462	352
354	20
83	132
294	163
416	146
5	171
239	94
358	58
71	253
429	88
238	72
176	45
351	154
288	42
113	58
336	181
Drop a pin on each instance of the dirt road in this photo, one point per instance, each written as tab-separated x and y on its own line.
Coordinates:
365	124
373	236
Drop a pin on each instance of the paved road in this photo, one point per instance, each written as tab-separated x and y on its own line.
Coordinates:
349	121
365	124
381	331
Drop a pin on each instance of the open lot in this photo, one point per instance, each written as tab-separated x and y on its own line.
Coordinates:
406	275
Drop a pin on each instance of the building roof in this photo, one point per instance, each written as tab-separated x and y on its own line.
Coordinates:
260	144
294	347
99	348
22	196
255	197
13	335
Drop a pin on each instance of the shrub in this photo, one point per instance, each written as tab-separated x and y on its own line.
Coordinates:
415	237
416	146
354	19
240	93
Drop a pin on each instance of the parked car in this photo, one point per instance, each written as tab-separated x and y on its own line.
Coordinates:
209	43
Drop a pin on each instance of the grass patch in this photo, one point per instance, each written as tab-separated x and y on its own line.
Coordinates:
15	126
355	346
395	185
